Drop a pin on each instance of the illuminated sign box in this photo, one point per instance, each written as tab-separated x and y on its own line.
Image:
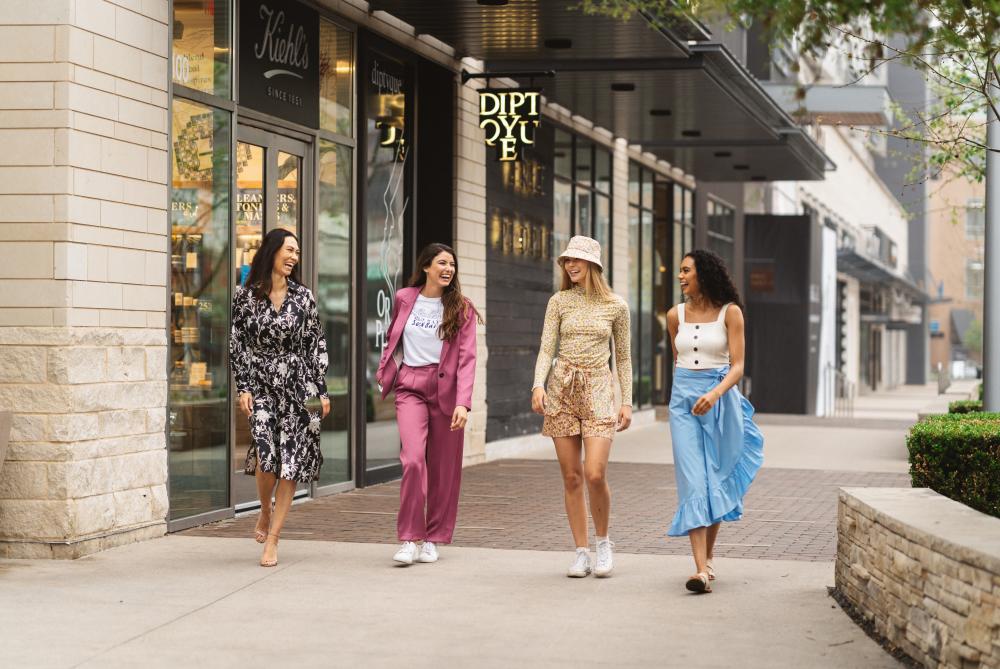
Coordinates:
509	116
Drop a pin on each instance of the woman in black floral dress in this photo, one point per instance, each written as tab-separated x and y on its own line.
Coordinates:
279	358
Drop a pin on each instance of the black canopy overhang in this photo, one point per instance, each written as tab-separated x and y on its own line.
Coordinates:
722	126
961	321
870	270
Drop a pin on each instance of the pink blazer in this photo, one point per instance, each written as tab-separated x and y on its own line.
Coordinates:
457	368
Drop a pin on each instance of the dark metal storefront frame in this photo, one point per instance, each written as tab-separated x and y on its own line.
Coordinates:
261	122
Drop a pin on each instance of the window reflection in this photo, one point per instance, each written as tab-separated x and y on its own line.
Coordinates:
386	204
201	45
199	314
288	193
336	74
333	296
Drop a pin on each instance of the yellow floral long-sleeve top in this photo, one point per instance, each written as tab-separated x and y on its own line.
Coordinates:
580	327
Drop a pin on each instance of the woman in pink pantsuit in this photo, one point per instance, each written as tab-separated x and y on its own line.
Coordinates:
430	362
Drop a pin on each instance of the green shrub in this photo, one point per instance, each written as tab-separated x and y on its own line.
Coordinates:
980	392
965	406
958	455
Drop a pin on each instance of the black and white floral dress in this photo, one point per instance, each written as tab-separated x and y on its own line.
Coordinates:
279	356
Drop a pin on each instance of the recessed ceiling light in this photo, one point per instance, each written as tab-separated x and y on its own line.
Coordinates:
691	133
659	112
558	43
722	154
623	87
758	177
740	166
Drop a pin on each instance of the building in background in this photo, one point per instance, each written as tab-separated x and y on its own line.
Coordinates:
955	262
857	307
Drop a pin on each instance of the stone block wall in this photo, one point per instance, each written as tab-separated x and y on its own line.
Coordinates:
470	242
83	273
925	570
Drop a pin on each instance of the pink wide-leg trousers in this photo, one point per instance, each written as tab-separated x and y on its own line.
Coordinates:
432	459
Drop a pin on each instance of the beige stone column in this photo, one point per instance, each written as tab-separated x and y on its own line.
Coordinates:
620	237
83	273
470	242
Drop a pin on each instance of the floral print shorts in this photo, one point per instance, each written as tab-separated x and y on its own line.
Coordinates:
581	402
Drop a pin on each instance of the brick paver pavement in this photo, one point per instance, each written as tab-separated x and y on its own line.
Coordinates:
789	514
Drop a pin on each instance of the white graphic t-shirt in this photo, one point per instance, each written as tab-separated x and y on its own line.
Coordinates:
421	345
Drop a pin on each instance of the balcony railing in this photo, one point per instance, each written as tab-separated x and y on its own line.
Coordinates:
839	394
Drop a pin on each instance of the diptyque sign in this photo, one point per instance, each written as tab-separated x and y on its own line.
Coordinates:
509	117
279	59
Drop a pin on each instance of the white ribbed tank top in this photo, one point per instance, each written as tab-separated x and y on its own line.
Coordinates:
702	345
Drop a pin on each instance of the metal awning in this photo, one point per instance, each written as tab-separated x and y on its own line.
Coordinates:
827	104
870	270
688	102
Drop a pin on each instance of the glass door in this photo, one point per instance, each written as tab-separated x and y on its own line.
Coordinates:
273	185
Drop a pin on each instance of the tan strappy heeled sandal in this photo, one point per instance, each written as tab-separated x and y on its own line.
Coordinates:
710	570
270	563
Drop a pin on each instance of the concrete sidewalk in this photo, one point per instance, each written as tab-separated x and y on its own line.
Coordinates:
811	446
198	602
187	600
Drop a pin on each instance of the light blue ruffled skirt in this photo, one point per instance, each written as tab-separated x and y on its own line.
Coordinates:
716	456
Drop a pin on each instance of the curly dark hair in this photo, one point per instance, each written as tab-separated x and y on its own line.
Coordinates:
714	278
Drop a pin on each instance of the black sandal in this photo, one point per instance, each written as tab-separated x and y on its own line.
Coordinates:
698	583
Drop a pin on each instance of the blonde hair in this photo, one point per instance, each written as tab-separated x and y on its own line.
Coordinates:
594	284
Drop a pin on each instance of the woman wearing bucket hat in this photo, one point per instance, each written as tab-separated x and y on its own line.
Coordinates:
579	405
717	447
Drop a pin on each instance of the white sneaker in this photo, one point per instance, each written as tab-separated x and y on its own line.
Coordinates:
406	553
604	564
429	552
581	565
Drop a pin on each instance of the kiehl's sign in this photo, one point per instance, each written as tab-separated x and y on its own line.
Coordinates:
509	117
279	59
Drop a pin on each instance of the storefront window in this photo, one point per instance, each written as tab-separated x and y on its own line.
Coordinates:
562	223
652	289
641	281
663	282
336	76
199	315
602	171
333	295
289	192
683	228
564	154
386	212
249	206
202	57
584	212
646	308
583	177
634	267
584	160
721	231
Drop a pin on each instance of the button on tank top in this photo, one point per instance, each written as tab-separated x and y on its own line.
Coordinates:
702	345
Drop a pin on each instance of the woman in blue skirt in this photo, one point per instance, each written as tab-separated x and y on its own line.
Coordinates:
717	447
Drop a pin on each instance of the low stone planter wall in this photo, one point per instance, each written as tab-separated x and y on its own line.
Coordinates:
925	570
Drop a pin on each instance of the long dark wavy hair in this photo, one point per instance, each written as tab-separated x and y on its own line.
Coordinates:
714	279
456	307
259	279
